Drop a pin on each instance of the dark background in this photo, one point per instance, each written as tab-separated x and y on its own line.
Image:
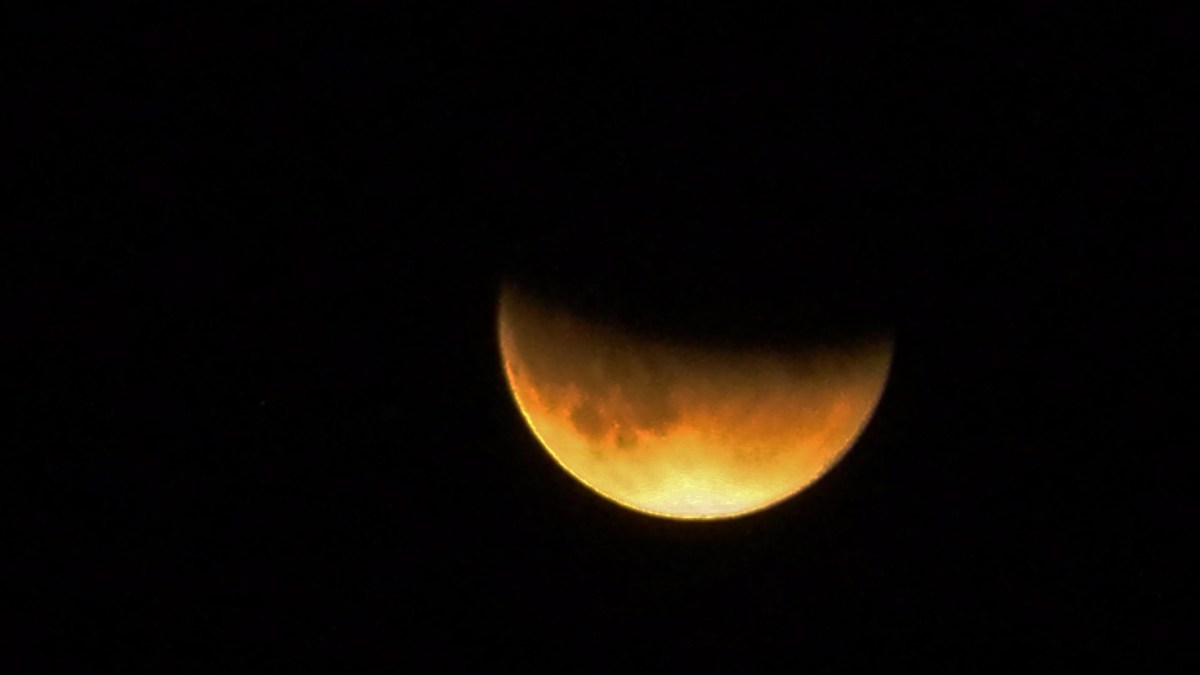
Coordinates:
259	409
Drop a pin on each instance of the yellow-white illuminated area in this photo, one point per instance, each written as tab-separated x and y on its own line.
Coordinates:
680	431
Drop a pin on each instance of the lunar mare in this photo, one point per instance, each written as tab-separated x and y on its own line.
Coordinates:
682	431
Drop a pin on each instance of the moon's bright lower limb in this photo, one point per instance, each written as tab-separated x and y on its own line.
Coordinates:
683	432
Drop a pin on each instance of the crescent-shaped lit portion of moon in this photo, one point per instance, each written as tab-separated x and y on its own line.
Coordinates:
684	432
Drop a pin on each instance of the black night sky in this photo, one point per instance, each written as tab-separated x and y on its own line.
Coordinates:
260	416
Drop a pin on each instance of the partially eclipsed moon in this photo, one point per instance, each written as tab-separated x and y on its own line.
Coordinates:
683	432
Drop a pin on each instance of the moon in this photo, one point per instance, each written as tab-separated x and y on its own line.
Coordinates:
678	430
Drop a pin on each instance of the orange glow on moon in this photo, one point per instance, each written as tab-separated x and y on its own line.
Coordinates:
684	432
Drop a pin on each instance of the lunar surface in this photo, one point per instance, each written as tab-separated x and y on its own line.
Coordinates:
683	431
